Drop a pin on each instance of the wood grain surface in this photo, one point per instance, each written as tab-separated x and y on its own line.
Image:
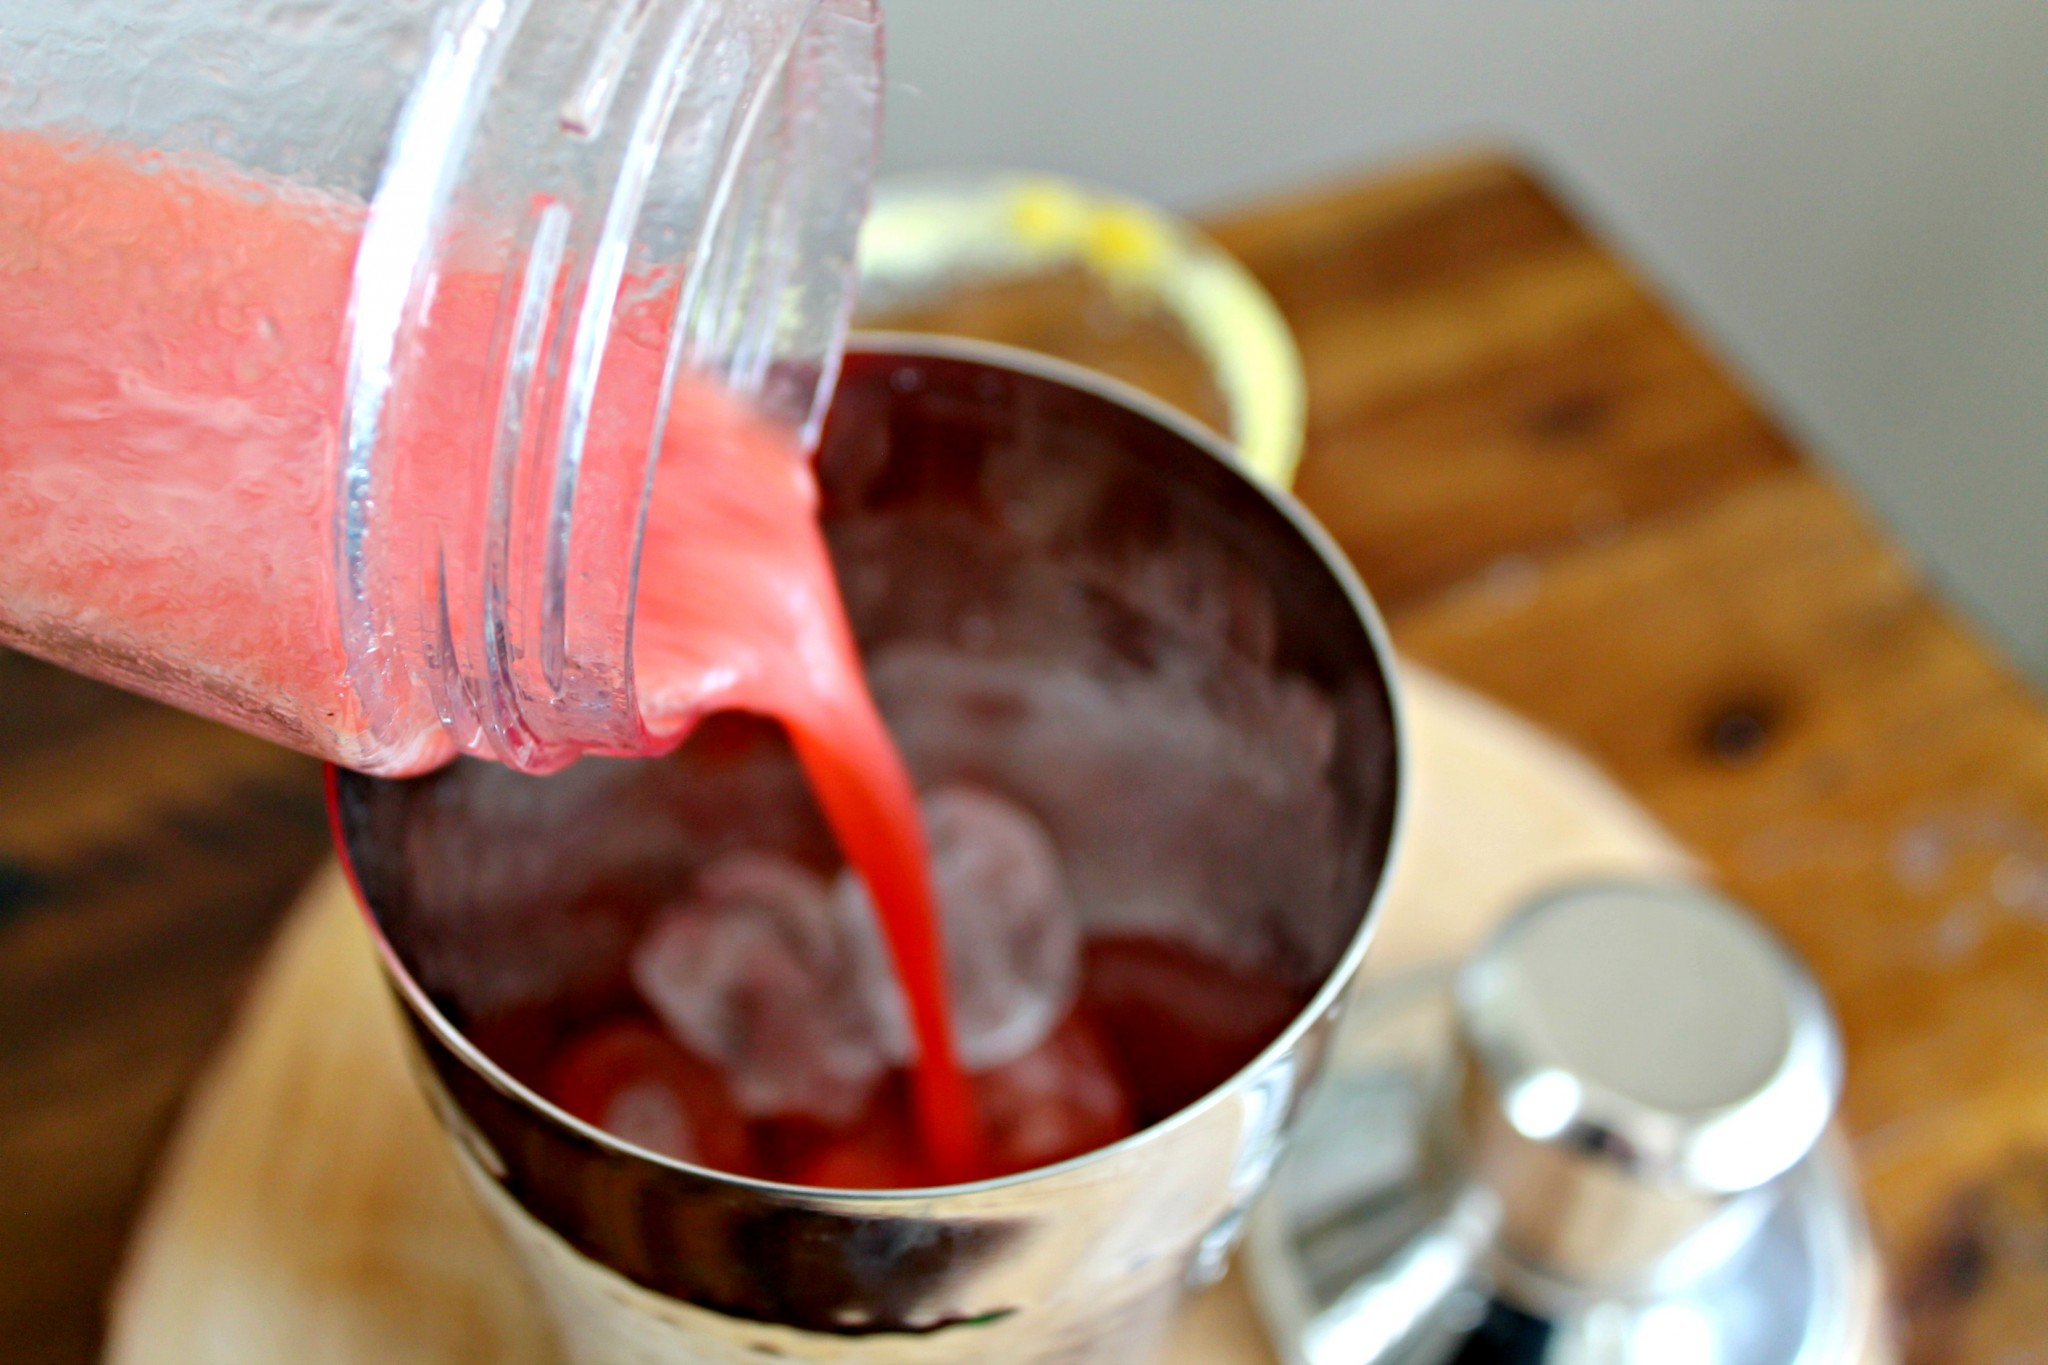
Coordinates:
1559	496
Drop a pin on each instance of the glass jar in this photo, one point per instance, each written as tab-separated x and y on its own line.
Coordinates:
1095	277
339	339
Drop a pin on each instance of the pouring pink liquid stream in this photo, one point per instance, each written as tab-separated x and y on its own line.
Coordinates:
170	338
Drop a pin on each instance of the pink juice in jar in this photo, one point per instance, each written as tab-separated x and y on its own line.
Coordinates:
171	389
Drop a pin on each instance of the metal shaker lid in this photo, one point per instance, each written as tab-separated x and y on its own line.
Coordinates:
1601	1140
1639	1056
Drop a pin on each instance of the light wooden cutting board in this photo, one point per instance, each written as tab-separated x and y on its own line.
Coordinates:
307	1213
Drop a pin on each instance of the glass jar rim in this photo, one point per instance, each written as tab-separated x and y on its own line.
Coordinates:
715	155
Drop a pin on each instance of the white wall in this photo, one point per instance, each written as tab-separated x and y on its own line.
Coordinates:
1851	196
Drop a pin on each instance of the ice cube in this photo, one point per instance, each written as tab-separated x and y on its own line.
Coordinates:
648	1114
760	972
1013	941
1189	798
1059	1100
635	1083
878	1151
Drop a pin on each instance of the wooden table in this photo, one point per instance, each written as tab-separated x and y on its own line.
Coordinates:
1558	496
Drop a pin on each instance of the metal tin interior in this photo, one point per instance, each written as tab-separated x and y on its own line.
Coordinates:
1059	462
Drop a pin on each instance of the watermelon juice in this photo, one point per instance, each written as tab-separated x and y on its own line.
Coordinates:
172	383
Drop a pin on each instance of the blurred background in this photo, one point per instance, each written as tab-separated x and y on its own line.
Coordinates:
1847	199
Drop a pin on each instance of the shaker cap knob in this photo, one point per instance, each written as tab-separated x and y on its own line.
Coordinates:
1639	1058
